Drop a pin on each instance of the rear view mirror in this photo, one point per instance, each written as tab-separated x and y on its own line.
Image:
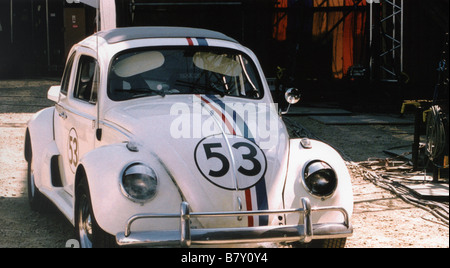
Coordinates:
53	93
292	95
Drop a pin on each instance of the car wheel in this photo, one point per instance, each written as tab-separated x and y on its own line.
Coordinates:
88	232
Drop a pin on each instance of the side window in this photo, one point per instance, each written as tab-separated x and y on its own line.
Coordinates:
86	80
66	76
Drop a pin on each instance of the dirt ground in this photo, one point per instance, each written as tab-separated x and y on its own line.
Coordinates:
380	219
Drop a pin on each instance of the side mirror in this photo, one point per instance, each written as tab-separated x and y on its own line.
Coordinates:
53	93
292	96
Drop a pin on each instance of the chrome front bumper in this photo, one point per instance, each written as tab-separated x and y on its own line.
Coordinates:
303	232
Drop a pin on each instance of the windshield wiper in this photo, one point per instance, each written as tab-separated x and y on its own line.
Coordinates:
140	92
216	89
196	86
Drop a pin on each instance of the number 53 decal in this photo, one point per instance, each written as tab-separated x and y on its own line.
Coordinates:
214	161
73	150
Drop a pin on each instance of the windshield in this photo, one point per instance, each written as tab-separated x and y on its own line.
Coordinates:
186	70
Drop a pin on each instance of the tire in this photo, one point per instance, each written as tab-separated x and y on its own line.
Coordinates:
88	232
322	243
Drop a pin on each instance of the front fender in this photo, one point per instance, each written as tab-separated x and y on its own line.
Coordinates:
103	168
298	159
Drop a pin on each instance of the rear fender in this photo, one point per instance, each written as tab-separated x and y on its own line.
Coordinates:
40	128
39	137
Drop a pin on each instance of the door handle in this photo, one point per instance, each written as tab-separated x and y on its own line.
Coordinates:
63	115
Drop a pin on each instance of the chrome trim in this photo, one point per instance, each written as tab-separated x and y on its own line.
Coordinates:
230	151
304	176
132	146
117	128
307	220
67	108
306	143
136	165
185	229
304	231
212	113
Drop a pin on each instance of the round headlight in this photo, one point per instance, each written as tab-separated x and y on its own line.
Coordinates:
139	183
320	179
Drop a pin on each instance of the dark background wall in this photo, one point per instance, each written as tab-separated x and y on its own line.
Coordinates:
312	42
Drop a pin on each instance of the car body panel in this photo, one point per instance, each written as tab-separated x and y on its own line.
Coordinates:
299	158
107	198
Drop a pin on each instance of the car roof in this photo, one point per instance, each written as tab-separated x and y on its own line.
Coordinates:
130	33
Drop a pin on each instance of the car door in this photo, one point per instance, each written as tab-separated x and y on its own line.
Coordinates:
76	113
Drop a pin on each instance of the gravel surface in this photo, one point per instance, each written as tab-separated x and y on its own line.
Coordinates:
380	219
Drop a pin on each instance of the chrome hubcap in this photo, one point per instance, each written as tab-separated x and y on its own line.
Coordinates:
85	223
32	187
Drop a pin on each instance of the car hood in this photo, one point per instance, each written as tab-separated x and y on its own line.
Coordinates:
224	154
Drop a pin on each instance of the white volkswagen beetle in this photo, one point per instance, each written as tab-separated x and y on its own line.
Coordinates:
169	137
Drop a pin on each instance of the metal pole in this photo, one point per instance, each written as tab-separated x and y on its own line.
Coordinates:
416	143
375	37
401	37
98	132
394	31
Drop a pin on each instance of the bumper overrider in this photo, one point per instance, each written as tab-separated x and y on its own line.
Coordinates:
304	232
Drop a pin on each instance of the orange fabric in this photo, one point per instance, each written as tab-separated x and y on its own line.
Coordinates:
280	22
336	3
347	59
338	46
346	36
324	22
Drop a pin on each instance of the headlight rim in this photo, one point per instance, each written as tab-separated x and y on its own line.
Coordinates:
124	190
304	178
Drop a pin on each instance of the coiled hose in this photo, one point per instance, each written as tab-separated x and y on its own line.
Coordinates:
436	135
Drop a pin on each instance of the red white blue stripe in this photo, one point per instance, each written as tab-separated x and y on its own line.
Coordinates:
255	197
197	41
